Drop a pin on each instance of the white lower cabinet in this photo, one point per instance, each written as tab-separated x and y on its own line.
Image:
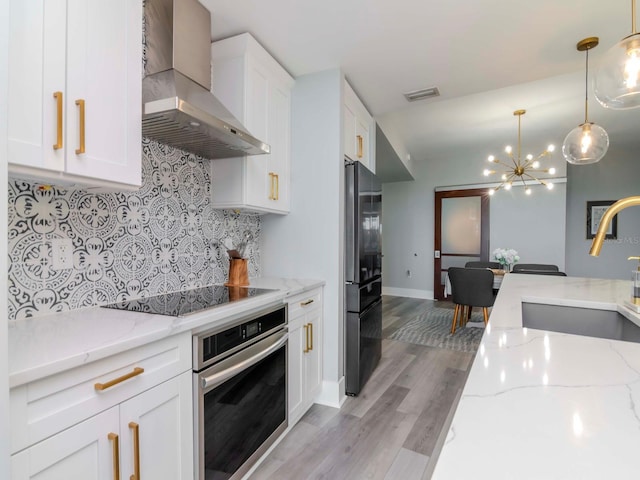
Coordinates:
82	451
305	352
147	435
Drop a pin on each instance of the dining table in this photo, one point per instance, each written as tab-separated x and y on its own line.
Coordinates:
498	275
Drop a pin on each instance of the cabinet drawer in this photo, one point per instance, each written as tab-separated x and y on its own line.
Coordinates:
304	302
47	406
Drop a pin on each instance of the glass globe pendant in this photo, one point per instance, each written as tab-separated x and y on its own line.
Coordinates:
588	142
617	82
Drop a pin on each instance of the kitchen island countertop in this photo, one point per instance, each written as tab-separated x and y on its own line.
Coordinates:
46	345
540	404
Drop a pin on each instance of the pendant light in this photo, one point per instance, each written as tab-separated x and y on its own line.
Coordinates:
588	142
617	83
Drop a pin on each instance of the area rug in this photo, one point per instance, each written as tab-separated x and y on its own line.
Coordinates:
433	329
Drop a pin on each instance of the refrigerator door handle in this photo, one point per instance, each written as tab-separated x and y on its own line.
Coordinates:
350	223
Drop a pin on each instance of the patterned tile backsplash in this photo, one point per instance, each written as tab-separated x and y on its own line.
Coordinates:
163	238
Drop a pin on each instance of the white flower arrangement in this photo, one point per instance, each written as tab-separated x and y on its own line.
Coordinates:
506	256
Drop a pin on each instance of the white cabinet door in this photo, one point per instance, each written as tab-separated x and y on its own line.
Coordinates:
363	152
349	132
162	420
305	347
75	91
296	368
104	64
279	135
36	71
257	91
83	451
313	359
358	128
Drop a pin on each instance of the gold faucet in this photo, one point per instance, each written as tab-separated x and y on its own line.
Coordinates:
621	204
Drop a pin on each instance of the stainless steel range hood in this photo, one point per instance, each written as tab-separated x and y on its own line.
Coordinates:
178	107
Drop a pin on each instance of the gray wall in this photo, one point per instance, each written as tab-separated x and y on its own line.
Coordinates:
532	225
408	218
616	176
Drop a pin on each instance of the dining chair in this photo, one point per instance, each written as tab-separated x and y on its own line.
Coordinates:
535	266
495	265
470	287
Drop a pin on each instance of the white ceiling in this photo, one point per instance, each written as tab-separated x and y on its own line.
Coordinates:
487	57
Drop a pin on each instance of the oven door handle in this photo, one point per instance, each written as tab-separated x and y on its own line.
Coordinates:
218	378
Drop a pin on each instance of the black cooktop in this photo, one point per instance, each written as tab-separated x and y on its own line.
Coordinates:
179	304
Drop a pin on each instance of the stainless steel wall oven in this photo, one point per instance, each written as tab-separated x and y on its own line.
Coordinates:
240	386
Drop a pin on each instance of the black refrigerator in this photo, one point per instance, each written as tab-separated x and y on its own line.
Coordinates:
363	275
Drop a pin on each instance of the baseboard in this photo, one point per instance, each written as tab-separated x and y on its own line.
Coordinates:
408	292
332	394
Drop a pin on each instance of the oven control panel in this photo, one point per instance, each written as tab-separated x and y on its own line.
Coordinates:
218	345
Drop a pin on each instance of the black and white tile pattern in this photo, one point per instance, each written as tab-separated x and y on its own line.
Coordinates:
162	238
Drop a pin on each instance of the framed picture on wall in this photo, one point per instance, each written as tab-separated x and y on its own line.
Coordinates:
595	210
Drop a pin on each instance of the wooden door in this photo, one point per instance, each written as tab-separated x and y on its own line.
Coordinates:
461	232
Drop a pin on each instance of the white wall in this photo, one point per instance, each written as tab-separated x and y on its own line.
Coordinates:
308	243
532	225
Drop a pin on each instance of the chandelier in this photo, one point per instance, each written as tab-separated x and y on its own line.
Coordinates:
520	170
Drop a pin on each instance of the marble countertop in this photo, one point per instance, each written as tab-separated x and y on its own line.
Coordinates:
43	346
540	404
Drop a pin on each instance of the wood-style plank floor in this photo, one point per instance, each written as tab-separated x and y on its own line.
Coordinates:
393	428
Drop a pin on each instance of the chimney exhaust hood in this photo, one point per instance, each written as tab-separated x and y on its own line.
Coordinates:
178	108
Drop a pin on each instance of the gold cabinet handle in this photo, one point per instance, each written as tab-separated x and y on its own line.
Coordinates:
360	146
277	187
58	97
80	150
306	338
103	386
311	335
116	455
308	302
271	194
136	450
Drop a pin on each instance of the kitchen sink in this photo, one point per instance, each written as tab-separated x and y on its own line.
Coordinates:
580	321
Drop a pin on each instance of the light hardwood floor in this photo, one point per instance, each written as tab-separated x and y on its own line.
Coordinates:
392	429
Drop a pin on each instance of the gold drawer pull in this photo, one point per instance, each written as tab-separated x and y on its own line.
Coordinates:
80	150
308	302
311	334
136	450
103	386
360	146
116	455
58	97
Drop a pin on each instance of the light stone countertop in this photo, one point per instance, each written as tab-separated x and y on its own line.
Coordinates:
43	346
548	405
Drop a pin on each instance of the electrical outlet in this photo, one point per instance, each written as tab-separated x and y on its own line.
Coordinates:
61	253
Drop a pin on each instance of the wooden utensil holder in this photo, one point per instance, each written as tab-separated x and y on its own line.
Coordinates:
238	273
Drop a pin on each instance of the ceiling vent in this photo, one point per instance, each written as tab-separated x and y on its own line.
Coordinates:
422	94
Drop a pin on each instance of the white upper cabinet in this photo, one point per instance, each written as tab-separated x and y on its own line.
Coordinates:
74	107
358	130
257	91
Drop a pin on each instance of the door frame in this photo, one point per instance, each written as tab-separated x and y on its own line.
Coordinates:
483	193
